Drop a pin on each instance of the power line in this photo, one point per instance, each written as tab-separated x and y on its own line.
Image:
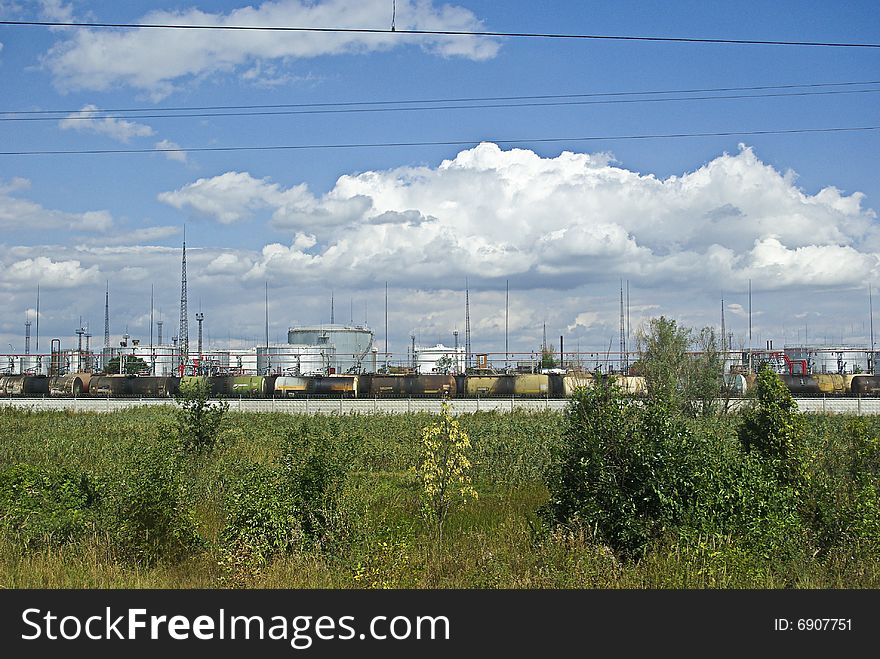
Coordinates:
96	115
445	33
365	145
701	90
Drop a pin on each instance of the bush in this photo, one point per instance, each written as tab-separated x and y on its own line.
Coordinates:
844	494
199	420
147	511
314	468
46	505
260	522
622	472
774	429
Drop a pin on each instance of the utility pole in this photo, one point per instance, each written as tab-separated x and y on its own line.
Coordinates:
27	336
871	310
467	326
506	318
750	325
623	360
152	352
107	316
183	334
200	317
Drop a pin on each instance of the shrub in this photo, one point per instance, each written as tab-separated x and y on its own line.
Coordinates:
314	468
444	470
199	420
46	505
260	522
622	471
147	511
774	429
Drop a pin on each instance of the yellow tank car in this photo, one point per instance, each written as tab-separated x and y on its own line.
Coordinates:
830	383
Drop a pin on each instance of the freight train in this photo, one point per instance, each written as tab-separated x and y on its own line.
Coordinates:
543	385
346	386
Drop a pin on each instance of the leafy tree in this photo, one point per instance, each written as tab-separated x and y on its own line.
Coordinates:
681	380
774	429
445	364
622	471
445	468
199	419
133	366
548	357
663	360
706	381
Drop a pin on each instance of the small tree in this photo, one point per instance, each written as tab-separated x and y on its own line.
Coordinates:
774	429
133	366
706	381
198	419
548	357
445	468
663	360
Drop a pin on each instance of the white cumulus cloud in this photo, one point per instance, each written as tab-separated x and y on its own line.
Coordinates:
21	214
88	120
156	61
491	213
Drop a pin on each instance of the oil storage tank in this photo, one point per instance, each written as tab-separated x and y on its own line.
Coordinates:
292	359
352	344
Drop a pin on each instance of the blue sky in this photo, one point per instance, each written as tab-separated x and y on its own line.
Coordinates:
686	221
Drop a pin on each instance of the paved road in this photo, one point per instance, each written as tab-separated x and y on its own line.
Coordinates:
865	406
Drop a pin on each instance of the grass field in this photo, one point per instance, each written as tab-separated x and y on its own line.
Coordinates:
108	501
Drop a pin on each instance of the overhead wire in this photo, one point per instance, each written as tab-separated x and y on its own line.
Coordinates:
95	115
452	33
699	90
457	142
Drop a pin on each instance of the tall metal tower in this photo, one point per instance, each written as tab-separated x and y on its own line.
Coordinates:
159	324
79	349
332	313
623	355
183	333
27	337
467	326
723	329
200	317
88	335
107	317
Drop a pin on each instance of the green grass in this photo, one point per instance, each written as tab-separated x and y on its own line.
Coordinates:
495	541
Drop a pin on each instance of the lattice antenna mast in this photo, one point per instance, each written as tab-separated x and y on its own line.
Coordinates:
723	329
183	334
107	317
332	309
467	326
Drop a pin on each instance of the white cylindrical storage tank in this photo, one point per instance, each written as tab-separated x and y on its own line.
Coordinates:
243	361
352	344
440	359
289	359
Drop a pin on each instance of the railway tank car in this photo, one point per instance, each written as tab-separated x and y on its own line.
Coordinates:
72	384
419	386
487	386
24	385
